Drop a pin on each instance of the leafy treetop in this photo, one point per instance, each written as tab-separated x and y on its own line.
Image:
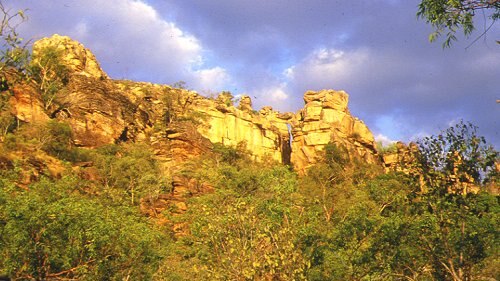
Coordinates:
448	16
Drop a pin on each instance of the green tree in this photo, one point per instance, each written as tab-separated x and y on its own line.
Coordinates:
13	61
7	120
13	53
128	172
386	149
456	221
449	16
49	72
246	229
455	161
52	232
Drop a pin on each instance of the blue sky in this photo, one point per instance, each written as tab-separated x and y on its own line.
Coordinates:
401	85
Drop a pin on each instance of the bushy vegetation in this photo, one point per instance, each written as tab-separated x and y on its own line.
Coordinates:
50	74
343	221
52	232
69	227
68	213
13	52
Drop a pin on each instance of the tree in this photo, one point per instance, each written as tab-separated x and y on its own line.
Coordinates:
52	232
13	62
456	222
7	120
13	53
456	160
448	16
49	72
128	172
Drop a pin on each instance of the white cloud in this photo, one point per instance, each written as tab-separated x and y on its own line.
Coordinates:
137	35
211	79
272	94
385	140
81	29
327	68
279	95
275	93
129	37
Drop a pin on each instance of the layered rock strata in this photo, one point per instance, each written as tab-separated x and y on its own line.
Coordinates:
180	124
325	119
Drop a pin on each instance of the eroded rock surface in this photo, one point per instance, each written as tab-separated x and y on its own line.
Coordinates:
181	124
79	59
325	119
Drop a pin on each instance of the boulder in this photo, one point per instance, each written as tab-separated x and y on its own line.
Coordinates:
245	104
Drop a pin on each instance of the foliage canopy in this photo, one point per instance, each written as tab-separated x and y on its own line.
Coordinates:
449	16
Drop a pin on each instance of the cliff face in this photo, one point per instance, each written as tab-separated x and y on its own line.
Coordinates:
325	119
264	133
180	124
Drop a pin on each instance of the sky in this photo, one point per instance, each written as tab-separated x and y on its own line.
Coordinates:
399	84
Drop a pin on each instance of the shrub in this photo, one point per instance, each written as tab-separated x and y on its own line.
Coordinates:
52	232
336	154
128	172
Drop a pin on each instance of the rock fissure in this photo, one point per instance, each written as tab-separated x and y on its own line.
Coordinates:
105	110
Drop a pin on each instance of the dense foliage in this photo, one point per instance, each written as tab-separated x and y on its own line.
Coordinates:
68	213
345	220
449	16
53	232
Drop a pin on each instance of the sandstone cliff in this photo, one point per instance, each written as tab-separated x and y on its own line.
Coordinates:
325	119
180	124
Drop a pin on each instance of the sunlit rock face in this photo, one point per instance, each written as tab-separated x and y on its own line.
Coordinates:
79	59
180	124
263	133
26	105
325	119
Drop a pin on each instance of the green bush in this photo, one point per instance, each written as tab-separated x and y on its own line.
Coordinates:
382	150
250	212
128	172
336	154
60	138
53	137
50	232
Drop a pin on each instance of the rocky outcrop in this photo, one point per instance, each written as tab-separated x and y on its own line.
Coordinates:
264	134
97	112
401	159
80	60
325	119
180	124
26	105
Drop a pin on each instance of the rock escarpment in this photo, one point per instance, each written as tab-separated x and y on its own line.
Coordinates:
325	119
180	124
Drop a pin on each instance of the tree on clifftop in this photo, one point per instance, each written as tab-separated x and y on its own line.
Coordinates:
448	16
